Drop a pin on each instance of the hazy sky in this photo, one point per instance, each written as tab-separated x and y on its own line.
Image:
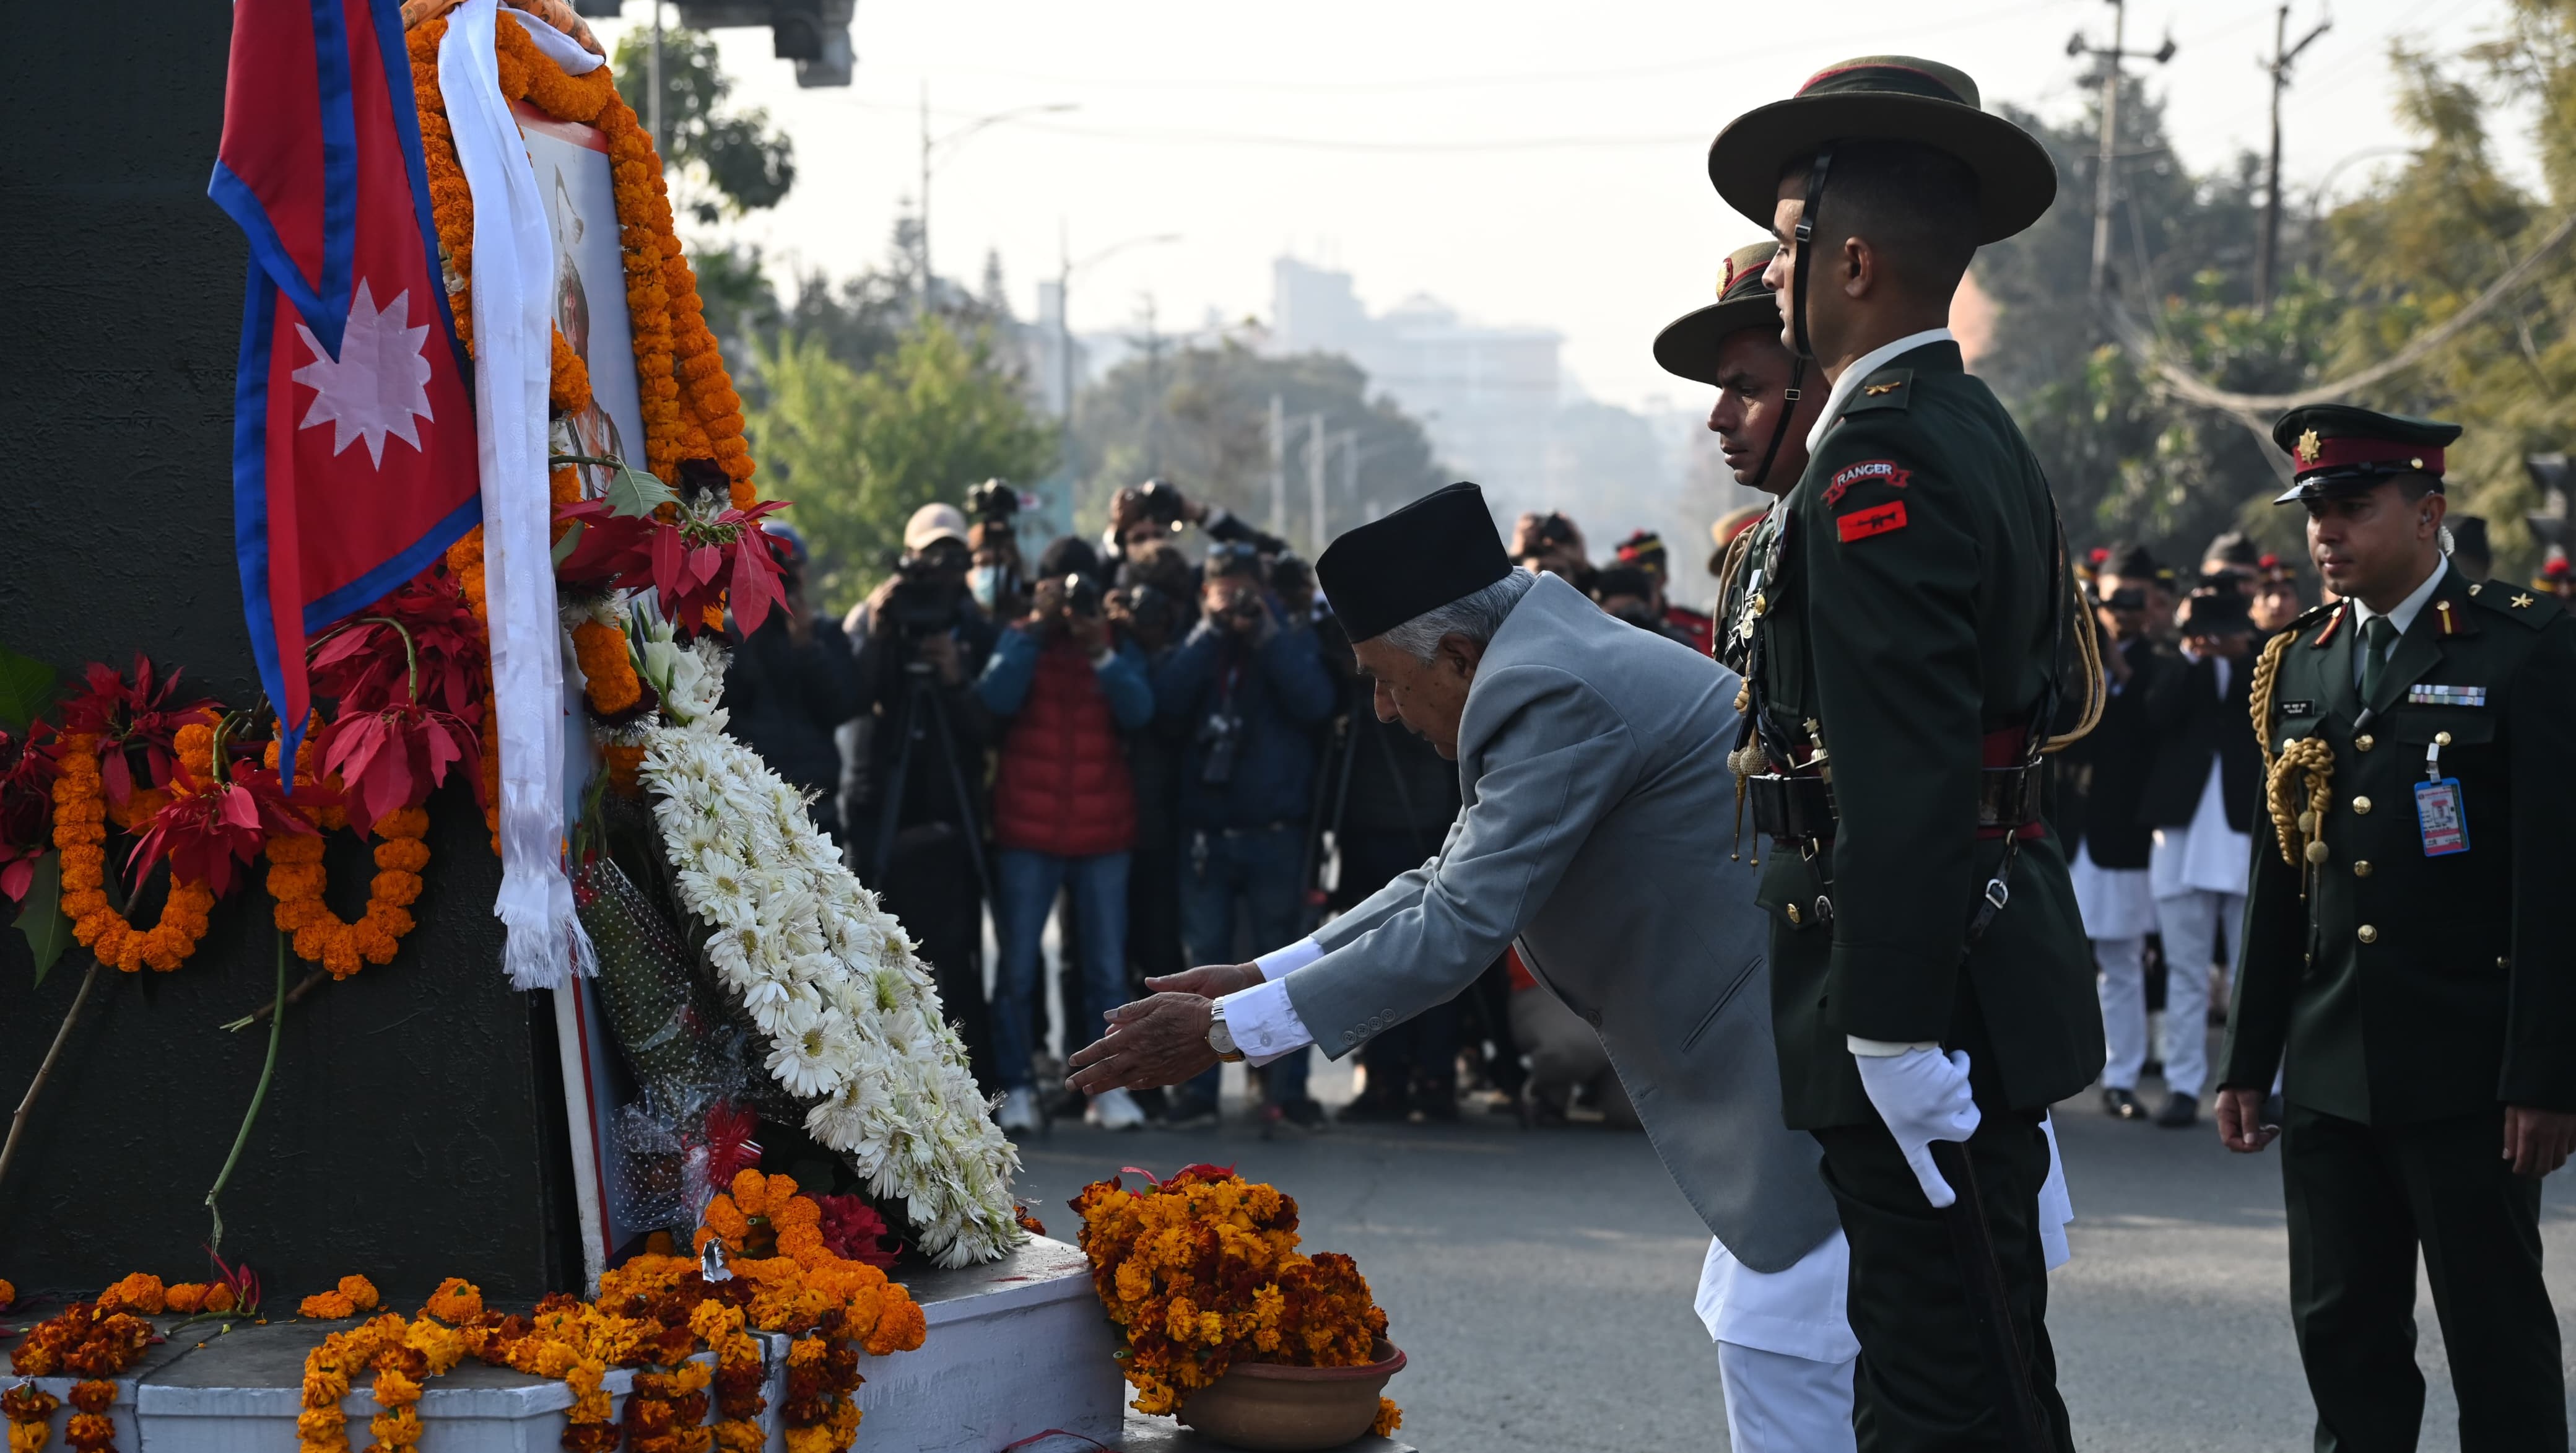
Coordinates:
1528	164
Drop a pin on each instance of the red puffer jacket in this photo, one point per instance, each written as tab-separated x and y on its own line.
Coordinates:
1063	786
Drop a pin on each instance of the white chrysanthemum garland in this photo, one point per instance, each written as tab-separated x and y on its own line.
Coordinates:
851	1014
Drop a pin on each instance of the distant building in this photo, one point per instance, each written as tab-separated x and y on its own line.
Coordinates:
1501	411
1488	397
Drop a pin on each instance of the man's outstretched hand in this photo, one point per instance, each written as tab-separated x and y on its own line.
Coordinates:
1161	1040
1157	1041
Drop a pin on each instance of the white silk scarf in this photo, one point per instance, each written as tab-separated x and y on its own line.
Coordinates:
513	348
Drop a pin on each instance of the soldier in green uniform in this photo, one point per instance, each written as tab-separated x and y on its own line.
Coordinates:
2407	933
1929	972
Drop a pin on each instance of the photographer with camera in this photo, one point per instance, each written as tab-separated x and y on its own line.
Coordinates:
1250	691
1551	544
790	686
999	578
1064	816
912	765
1147	514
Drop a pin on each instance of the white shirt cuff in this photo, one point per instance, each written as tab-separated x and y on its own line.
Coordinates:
1280	963
1875	1048
1264	1023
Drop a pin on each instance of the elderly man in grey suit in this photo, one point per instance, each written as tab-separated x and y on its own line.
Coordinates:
1592	761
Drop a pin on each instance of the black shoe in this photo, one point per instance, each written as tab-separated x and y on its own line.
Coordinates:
2179	1112
1189	1112
2123	1105
1305	1114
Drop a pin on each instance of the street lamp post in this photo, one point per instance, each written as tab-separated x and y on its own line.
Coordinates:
957	137
1066	267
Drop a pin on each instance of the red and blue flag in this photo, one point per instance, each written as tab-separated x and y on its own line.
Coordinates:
353	429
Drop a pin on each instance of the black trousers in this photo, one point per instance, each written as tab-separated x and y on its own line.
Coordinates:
2361	1200
1922	1383
931	886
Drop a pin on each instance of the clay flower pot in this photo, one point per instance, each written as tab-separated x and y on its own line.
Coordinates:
1278	1409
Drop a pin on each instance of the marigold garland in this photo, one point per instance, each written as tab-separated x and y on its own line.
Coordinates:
30	1411
188	1298
80	835
91	1429
296	878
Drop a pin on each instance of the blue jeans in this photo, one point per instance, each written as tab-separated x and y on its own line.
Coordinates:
1260	868
1026	886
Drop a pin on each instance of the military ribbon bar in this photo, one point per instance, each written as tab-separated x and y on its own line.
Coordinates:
2431	695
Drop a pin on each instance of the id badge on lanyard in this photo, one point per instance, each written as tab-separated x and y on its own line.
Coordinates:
2439	815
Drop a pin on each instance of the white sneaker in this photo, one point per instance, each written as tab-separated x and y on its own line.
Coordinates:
1019	1111
1115	1110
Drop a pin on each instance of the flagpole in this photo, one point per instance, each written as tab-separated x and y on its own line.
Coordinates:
653	81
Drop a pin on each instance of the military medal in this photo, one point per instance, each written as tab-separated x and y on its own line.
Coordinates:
2425	694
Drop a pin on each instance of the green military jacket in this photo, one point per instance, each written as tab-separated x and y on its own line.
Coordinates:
1902	609
2405	984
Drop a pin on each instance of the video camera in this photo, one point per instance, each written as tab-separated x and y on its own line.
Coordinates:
993	502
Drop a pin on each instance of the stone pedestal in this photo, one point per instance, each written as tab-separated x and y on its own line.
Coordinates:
1014	1349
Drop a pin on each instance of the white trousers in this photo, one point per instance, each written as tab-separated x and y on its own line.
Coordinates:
2123	987
2190	921
1779	1403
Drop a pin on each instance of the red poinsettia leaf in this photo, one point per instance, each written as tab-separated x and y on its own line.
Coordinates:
354	746
443	750
666	563
160	761
354	641
15	878
118	776
238	808
704	562
389	780
755	584
143	677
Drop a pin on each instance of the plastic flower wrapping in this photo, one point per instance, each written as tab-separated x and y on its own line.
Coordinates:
786	987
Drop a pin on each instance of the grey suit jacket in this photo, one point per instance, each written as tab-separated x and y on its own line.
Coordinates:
1592	758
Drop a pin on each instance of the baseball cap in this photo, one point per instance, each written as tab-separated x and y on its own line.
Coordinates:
934	522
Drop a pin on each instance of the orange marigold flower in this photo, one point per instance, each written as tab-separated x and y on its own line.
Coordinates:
327	1306
456	1300
141	1291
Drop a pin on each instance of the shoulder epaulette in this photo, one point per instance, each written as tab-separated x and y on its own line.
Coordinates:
1889	388
2311	616
2533	608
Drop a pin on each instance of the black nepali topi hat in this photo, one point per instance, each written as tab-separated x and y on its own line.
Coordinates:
1440	548
2338	449
1887	98
1688	344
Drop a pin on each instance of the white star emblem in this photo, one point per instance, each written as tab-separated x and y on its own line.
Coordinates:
379	381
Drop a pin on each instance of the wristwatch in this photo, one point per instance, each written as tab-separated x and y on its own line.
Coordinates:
1219	1037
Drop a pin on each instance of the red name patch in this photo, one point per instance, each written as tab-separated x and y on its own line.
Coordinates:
1876	520
1888	470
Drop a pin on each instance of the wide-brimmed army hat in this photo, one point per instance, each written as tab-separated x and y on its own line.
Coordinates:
1887	98
2337	449
1688	344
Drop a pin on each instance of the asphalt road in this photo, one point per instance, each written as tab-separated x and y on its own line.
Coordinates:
1541	1281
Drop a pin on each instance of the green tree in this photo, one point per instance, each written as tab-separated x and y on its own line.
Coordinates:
1200	417
856	452
728	160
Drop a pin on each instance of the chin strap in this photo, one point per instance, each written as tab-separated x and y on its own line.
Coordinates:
1788	407
1799	341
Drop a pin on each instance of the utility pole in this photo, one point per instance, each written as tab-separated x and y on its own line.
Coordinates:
921	228
1315	476
1278	464
1152	343
653	83
2102	187
2267	256
1066	267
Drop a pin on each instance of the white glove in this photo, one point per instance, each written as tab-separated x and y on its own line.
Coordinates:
1923	1096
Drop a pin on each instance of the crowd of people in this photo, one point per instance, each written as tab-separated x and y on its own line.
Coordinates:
1175	759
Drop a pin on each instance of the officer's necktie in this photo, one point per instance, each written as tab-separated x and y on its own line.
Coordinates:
2377	637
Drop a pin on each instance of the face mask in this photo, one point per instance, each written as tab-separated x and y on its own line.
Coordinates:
989	583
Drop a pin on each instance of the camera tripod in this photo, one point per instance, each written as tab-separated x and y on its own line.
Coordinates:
923	711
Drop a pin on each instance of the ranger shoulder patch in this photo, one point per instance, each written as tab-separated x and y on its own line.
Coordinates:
1860	524
1885	471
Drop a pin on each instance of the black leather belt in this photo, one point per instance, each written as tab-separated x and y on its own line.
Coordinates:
1800	808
